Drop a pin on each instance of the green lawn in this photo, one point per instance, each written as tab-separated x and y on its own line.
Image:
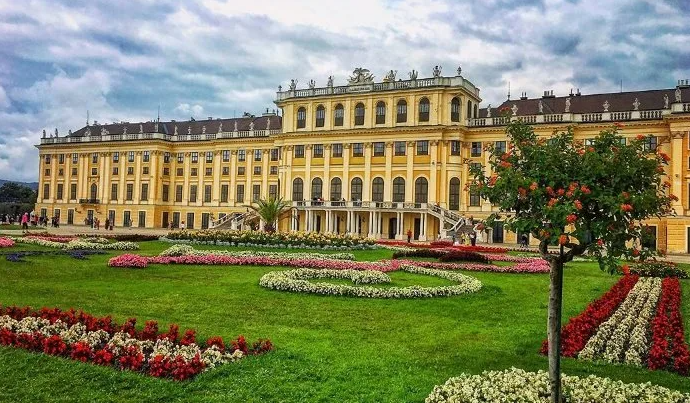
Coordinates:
327	348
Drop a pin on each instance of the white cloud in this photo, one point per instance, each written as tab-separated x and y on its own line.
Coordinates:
191	110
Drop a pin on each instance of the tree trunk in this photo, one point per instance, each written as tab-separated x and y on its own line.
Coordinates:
554	328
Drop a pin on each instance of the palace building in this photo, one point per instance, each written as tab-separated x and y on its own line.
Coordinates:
370	158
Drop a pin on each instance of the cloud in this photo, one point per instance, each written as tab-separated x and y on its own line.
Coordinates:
58	58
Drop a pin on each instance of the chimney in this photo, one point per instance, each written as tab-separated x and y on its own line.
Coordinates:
683	83
548	94
523	96
577	94
210	118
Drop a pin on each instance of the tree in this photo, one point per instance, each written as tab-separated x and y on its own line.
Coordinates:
270	210
12	192
589	198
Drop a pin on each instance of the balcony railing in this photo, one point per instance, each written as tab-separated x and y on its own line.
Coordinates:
581	117
359	205
160	136
89	201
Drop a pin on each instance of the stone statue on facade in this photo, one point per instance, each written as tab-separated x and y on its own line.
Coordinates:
220	127
361	75
488	111
541	106
251	126
189	130
235	127
141	128
88	131
678	96
103	131
124	130
280	88
436	71
203	129
268	124
56	132
665	101
606	105
459	70
44	133
567	105
293	84
636	104
312	84
330	81
390	76
413	74
514	109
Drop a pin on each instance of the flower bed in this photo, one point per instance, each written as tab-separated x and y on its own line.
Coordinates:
18	256
668	349
188	250
129	260
623	337
76	244
52	238
298	281
463	256
534	266
517	385
274	239
123	237
657	269
579	330
101	341
6	242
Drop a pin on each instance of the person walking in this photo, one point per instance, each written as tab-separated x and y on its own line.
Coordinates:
107	224
473	238
409	235
25	222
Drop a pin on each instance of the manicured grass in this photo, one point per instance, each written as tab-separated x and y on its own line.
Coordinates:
327	348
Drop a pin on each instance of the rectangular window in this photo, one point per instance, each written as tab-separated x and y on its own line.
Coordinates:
166	171
130	192
257	170
145	170
116	156
273	192
241	155
257	155
73	191
455	147
180	158
299	151
74	172
274	154
165	195
379	149
226	171
338	115
399	147
61	158
113	191
60	187
94	158
207	193
423	147
337	150
61	172
130	156
500	147
192	193
226	155
47	158
241	170
142	219
474	199
126	218
178	193
147	156
195	157
130	170
256	192
239	197
224	193
179	172
194	172
166	157
358	149
274	170
209	172
190	220
317	151
204	220
46	172
144	192
209	156
94	171
650	144
476	150
75	158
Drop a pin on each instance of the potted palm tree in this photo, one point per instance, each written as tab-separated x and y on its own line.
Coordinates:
270	210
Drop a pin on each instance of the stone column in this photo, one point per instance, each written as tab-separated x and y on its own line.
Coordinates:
366	186
215	194
443	196
264	173
409	180
101	176
388	177
346	172
433	187
122	185
677	169
232	197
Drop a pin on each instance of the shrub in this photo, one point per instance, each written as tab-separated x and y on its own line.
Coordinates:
653	268
463	256
432	253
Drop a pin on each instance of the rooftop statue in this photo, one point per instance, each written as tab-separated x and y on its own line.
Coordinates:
413	74
567	105
312	84
437	71
361	76
293	84
390	76
330	81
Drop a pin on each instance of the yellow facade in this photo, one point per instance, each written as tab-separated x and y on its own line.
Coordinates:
375	159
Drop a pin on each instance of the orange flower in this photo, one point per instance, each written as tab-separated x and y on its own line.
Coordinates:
584	189
563	239
673	197
533	186
626	269
569	193
573	186
581	151
544	234
561	192
549	190
590	149
640	137
665	157
571	218
505	164
626	207
578	204
660	169
522	192
553	202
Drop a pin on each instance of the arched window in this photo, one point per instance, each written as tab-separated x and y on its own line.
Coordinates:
476	111
359	114
401	109
454	194
316	188
455	110
469	109
398	190
424	107
301	118
377	190
297	189
336	189
356	189
94	191
421	190
338	114
320	116
380	112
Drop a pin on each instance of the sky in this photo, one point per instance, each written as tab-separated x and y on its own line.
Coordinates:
120	60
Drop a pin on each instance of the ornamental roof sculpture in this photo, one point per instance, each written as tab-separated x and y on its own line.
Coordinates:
390	76
361	76
413	74
436	71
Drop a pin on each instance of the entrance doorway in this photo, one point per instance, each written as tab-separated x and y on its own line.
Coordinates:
318	223
392	227
89	217
165	219
497	233
417	228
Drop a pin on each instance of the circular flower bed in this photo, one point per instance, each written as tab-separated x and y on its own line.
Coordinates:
517	385
298	281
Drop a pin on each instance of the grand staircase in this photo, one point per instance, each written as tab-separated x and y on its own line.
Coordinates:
232	221
451	222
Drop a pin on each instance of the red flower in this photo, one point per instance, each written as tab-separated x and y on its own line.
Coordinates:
561	192
533	186
600	242
81	352
552	202
549	190
150	330
569	194
505	164
563	239
640	137
189	337
626	269
590	149
54	345
665	157
581	151
635	252
103	357
578	204
584	189
626	208
667	184
216	341
571	218
673	197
